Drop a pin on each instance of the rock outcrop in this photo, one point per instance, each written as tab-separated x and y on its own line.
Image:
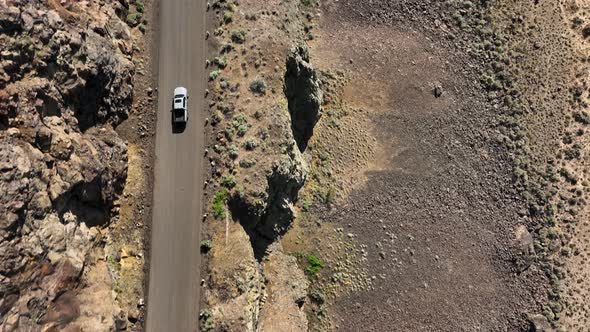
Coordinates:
65	81
266	210
257	139
303	92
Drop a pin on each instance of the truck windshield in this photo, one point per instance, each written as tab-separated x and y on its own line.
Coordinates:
178	114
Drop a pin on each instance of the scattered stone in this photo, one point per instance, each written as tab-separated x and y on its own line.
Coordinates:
438	90
539	323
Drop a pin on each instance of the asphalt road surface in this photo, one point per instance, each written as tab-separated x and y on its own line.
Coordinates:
173	295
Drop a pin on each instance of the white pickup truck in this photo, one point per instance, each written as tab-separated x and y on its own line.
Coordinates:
180	106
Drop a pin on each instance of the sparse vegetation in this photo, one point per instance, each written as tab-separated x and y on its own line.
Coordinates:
330	196
314	265
306	205
139	6
133	19
219	202
226	48
213	75
220	61
251	144
247	163
227	17
238	36
206	246
207	323
233	151
258	86
228	181
569	176
582	117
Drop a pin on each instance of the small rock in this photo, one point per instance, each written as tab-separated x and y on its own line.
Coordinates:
438	90
133	316
539	323
13	132
120	322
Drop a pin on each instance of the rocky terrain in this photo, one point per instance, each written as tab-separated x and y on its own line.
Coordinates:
66	84
259	128
433	171
412	164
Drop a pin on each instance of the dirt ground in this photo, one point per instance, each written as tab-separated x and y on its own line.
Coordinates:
437	217
129	237
427	185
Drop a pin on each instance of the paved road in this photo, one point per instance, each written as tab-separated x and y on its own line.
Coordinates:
173	296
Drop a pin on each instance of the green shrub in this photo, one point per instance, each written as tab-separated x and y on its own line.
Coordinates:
240	120
206	321
573	153
247	163
317	297
582	117
330	196
233	152
139	6
225	48
221	62
229	133
213	75
569	177
133	19
240	124
238	36
314	265
219	203
490	82
306	205
228	16
250	144
206	246
242	129
228	181
216	118
258	86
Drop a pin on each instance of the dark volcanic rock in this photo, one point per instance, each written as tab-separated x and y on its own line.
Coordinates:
303	94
